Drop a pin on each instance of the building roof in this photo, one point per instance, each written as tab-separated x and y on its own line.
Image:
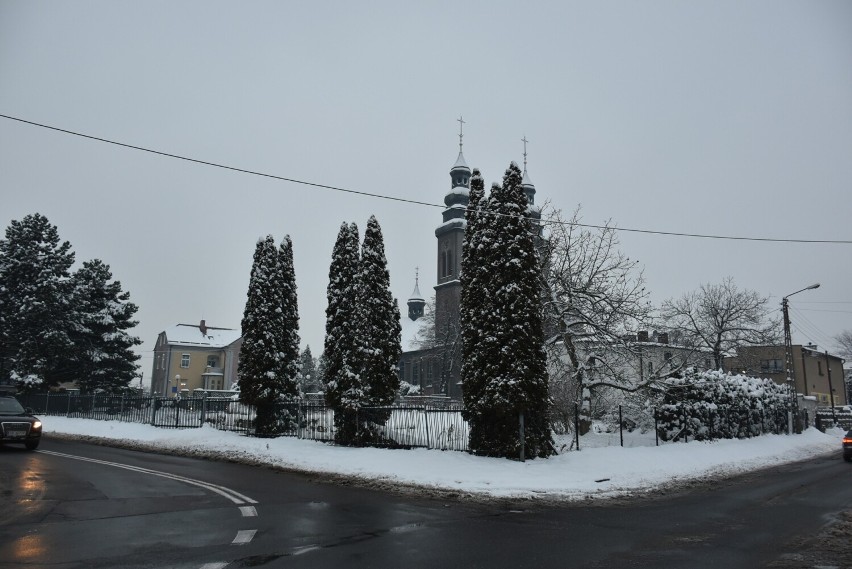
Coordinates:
191	335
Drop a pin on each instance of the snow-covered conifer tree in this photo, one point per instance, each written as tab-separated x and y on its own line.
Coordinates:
308	372
509	351
102	359
343	389
35	313
269	354
379	325
474	281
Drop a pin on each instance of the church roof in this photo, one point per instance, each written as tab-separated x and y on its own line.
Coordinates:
526	179
416	294
460	162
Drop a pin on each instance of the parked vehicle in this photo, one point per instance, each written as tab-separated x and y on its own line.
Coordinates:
18	425
847	447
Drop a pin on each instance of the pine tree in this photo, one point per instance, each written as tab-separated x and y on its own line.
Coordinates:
35	314
103	359
508	359
269	354
343	390
308	371
379	326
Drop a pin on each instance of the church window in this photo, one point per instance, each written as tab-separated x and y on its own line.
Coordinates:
449	263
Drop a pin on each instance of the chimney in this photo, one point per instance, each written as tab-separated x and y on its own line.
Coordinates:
642	336
203	328
664	338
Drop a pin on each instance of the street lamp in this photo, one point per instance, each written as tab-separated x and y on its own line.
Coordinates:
788	354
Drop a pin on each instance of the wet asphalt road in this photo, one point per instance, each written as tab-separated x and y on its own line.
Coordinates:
124	508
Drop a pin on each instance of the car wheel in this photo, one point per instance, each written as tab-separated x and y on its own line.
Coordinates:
32	445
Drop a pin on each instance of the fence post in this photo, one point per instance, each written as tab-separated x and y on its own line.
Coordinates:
94	399
620	426
68	412
153	410
521	432
426	420
177	411
203	407
656	428
577	425
47	404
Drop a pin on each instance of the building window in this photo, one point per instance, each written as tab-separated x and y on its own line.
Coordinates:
184	360
771	366
212	361
819	367
429	372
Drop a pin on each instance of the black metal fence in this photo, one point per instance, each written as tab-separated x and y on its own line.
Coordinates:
408	425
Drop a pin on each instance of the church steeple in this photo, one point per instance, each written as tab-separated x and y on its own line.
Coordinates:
416	303
526	183
460	172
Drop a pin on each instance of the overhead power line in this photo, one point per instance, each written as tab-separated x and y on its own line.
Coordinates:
405	200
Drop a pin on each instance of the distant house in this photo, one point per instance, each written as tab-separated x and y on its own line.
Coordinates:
641	357
195	356
817	374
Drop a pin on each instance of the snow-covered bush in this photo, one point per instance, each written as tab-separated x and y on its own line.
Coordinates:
716	405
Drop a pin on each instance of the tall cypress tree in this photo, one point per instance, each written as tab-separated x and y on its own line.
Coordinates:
343	389
509	355
268	361
103	359
35	312
474	283
380	327
288	317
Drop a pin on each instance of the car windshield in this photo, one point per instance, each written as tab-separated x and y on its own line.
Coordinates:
9	406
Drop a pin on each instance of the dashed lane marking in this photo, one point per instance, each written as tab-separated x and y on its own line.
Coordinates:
244	536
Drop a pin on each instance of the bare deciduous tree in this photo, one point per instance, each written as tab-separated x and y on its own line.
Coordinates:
594	295
844	344
721	317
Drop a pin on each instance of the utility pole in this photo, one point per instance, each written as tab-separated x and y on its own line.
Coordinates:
793	413
830	388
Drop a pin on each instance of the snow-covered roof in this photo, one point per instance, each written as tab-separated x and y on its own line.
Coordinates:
190	335
526	179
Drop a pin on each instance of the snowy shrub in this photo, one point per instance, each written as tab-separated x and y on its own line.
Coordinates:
715	405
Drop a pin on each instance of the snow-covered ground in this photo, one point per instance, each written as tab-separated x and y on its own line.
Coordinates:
595	471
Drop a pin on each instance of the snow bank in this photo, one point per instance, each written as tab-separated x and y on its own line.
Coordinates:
589	473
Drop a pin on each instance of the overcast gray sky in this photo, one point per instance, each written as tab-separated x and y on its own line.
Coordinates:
724	118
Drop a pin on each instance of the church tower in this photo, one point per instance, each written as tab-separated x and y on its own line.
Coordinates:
450	236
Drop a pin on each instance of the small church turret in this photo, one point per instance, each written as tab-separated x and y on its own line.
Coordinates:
416	304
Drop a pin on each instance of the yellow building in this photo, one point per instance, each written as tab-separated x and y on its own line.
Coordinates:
817	374
195	356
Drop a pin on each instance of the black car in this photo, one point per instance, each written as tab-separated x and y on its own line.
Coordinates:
847	447
18	425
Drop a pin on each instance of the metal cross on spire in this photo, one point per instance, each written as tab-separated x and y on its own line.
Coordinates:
524	140
461	131
416	277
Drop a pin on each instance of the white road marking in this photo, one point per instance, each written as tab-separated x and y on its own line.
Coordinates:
214	565
231	495
244	536
248	511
